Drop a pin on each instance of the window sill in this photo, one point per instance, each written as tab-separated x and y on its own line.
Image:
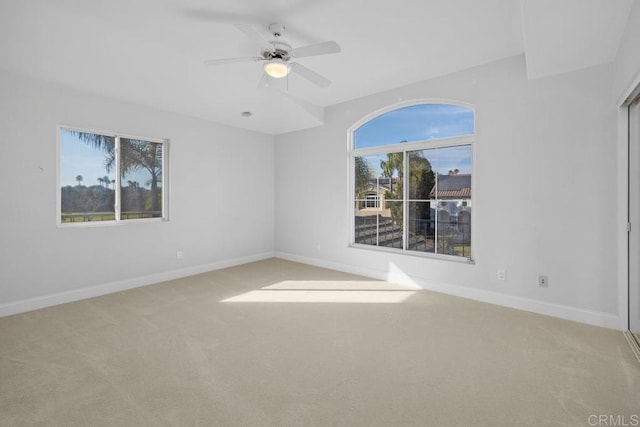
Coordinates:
93	224
453	258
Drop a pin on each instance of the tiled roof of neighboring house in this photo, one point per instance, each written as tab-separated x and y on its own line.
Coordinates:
463	193
452	187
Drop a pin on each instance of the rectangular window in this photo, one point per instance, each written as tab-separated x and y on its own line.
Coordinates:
436	204
107	178
373	201
411	174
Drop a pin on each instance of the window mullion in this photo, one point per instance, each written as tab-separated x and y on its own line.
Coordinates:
117	200
415	145
405	203
165	172
436	210
377	214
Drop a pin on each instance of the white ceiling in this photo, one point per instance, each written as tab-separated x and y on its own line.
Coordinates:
567	35
151	52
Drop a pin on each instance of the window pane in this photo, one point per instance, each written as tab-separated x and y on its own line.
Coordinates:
452	199
87	174
415	123
440	200
454	227
369	188
422	231
141	184
366	227
422	179
378	199
390	228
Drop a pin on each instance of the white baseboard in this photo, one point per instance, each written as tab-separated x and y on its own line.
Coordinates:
635	348
591	317
30	304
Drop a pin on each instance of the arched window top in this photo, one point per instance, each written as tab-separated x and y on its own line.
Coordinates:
418	122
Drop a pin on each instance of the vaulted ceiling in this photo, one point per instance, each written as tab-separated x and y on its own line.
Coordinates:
151	52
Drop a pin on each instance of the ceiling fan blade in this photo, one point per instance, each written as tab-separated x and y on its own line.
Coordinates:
232	60
316	49
310	75
251	32
264	82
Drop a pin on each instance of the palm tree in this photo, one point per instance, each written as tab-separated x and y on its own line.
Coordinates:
79	178
421	181
421	176
145	155
101	181
135	155
103	142
393	164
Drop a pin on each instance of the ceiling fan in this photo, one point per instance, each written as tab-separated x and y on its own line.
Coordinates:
277	55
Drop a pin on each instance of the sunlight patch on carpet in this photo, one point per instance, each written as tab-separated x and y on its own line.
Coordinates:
353	292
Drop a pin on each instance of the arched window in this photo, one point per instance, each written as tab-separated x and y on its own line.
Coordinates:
418	158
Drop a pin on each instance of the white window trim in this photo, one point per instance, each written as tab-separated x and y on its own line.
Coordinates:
405	147
117	221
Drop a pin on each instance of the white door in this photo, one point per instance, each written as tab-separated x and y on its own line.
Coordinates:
634	218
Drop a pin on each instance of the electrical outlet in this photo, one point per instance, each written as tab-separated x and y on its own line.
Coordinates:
502	275
179	255
543	281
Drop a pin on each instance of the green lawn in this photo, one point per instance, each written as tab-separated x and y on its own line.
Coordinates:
101	216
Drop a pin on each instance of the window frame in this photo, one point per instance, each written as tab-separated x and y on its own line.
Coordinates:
406	147
117	195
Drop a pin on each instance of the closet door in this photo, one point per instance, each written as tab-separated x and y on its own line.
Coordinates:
634	218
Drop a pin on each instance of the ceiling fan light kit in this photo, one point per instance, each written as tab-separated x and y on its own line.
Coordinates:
277	55
276	68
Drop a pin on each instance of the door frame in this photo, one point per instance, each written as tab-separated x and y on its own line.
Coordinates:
624	165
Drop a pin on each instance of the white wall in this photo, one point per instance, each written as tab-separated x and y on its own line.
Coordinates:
545	148
221	199
627	63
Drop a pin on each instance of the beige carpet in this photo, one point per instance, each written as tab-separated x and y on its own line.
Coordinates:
316	348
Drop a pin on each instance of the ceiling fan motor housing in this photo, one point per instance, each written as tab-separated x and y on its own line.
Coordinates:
276	54
281	50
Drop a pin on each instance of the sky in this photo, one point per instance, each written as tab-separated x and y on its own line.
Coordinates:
79	158
419	123
415	123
